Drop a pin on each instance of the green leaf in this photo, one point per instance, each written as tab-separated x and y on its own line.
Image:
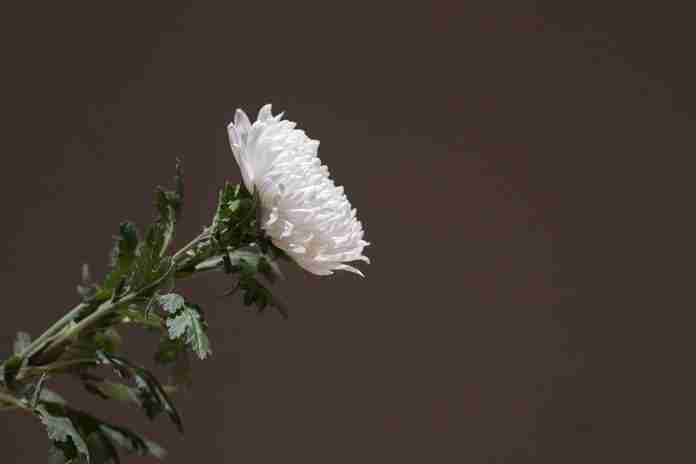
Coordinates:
10	369
187	324
255	293
228	195
61	430
153	398
122	255
101	439
248	260
233	206
165	224
131	442
250	263
150	264
171	302
113	390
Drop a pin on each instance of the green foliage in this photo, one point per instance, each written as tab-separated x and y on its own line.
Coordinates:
107	389
185	321
63	433
136	263
122	255
152	398
80	437
172	302
10	369
250	264
131	442
139	290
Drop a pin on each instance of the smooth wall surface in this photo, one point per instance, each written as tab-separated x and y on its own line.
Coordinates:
520	168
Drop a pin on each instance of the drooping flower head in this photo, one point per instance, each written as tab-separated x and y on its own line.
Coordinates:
303	212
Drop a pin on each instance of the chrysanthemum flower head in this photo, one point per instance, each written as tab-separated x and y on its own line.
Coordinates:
303	211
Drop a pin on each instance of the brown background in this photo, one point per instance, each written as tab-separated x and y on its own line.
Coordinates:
520	168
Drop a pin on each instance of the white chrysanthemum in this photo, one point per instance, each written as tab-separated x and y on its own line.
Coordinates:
303	212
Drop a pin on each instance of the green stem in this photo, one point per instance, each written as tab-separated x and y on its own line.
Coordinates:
203	236
56	344
13	401
36	345
33	371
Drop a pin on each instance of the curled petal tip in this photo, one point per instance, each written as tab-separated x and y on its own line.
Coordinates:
346	267
241	120
265	112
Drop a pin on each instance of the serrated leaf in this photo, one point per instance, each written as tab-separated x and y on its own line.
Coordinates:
250	263
171	302
228	194
165	223
152	397
257	294
187	323
122	255
61	429
101	439
131	442
22	341
150	263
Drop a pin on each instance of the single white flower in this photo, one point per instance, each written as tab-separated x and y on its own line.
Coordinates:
303	212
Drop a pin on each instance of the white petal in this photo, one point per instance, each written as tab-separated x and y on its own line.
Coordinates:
304	212
345	267
241	120
265	113
235	139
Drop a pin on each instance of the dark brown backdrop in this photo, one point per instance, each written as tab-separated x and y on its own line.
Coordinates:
519	168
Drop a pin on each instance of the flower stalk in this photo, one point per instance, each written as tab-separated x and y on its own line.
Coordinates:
52	347
288	209
138	290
